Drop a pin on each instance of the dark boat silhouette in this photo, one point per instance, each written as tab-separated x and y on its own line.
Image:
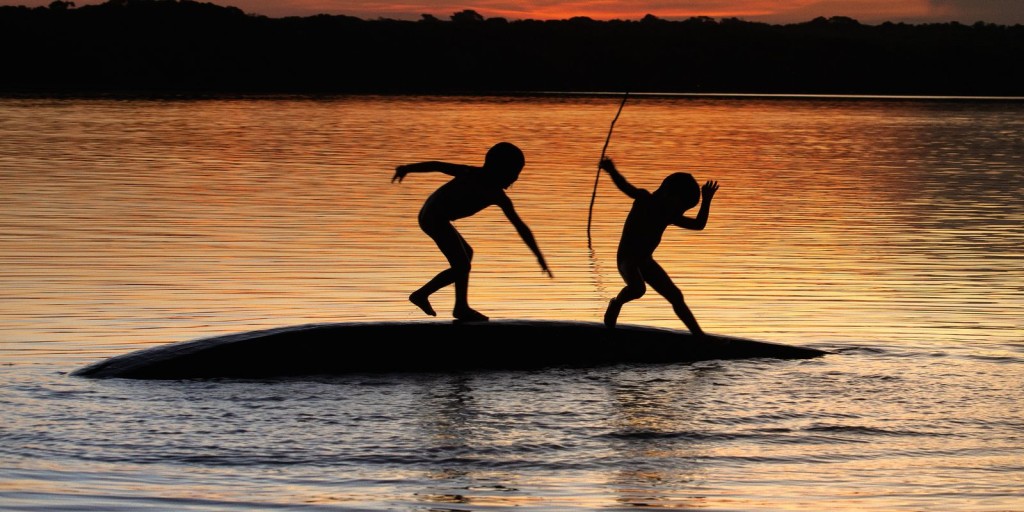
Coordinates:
428	346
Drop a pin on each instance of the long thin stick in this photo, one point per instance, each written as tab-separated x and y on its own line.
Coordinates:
598	177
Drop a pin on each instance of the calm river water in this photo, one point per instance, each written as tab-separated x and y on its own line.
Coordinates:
887	231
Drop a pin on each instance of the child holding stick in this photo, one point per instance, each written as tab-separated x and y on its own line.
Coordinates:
642	231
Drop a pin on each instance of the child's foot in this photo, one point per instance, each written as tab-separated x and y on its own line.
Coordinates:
611	315
420	300
469	315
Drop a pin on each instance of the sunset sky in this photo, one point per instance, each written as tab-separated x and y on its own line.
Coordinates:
1004	12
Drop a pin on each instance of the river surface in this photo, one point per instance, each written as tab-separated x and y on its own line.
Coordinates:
888	231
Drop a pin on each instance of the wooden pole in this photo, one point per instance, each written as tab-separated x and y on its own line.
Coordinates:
593	196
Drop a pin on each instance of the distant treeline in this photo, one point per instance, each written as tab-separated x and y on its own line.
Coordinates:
182	46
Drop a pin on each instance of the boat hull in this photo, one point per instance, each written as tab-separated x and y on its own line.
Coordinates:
428	346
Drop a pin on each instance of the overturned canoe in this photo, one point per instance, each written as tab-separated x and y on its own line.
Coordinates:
428	346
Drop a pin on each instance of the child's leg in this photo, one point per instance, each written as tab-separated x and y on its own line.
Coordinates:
450	243
634	289
460	256
462	311
662	283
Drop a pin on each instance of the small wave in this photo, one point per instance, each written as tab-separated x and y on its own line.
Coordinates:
858	350
863	430
995	359
682	435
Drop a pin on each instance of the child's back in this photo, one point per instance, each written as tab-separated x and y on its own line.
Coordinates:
462	196
652	214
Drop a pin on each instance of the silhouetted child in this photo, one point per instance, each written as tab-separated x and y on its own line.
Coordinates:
645	224
471	189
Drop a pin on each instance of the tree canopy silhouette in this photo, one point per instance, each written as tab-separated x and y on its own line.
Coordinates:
183	46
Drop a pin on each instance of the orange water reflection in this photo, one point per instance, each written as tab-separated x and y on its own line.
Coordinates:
136	223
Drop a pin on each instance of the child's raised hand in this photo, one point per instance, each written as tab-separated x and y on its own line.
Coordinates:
607	164
709	189
400	173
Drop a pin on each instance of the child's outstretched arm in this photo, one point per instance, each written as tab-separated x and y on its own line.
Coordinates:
432	166
706	193
524	232
617	178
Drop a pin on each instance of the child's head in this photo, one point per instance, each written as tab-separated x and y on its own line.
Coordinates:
682	187
506	160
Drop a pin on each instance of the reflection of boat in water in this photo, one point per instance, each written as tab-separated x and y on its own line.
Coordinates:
428	346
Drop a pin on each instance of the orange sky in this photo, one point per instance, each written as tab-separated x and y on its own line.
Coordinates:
1007	12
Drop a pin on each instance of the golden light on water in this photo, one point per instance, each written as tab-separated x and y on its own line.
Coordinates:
888	230
828	222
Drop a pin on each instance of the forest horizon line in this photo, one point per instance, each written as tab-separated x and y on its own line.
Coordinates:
189	47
